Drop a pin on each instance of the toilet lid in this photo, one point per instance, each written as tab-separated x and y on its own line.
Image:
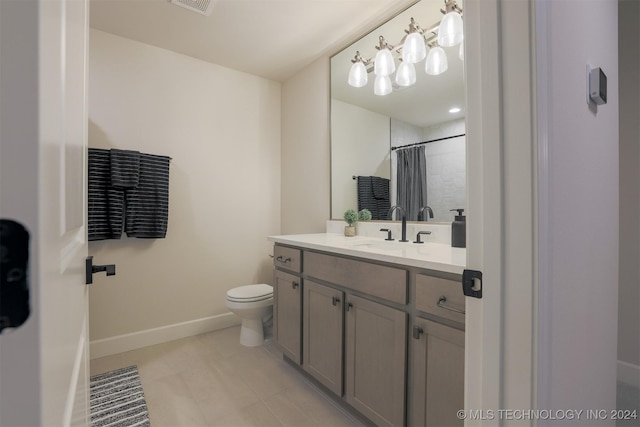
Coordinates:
250	293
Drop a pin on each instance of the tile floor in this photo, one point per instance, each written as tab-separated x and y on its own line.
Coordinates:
211	380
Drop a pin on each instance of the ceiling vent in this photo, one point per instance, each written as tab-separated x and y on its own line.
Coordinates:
203	7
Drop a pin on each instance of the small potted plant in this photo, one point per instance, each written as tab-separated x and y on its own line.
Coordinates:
350	217
364	215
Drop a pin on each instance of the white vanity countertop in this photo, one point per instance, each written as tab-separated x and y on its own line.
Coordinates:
433	256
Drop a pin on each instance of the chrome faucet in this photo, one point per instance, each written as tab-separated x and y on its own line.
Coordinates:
421	212
404	221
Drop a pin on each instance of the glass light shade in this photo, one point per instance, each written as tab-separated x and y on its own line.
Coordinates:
436	61
461	51
358	75
382	85
414	49
384	65
406	74
450	32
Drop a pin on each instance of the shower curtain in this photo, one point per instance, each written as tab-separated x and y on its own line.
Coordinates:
412	180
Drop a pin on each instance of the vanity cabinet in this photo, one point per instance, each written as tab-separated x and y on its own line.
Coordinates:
322	337
287	311
437	374
375	360
437	353
386	339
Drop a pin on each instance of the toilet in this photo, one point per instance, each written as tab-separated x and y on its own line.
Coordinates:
253	304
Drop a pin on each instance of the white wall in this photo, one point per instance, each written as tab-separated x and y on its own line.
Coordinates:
579	289
629	288
222	129
305	150
359	146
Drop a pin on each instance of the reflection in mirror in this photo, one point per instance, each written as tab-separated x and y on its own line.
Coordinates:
406	148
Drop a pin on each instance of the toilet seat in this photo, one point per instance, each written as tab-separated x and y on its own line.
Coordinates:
250	293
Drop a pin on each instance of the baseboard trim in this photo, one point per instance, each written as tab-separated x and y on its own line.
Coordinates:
629	373
118	344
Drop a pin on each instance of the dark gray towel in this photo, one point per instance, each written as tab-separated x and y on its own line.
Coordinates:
147	212
125	168
105	204
373	194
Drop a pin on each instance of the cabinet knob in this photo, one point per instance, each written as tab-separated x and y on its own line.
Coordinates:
294	285
417	331
335	300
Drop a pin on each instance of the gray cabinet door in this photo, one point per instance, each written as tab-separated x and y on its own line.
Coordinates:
375	360
287	319
322	336
438	374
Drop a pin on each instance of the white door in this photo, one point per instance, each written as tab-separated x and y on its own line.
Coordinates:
500	339
43	126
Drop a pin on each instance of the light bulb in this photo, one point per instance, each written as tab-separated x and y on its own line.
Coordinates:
382	85
461	51
436	61
406	74
358	75
384	65
450	32
414	49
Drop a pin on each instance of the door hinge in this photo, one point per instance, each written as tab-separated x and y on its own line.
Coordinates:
472	283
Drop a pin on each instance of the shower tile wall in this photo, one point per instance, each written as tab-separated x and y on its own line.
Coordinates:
446	169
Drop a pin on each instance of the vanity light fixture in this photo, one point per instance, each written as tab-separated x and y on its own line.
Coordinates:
450	32
412	49
384	65
382	85
436	61
358	76
406	74
454	110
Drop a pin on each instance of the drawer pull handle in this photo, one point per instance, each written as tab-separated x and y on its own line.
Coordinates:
441	304
335	300
417	331
294	285
283	259
349	306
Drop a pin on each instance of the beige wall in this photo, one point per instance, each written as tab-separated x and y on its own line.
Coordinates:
305	150
629	289
359	146
222	129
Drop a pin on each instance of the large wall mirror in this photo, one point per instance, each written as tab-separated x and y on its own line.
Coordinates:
414	135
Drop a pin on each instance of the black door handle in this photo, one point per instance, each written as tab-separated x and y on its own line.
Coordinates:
90	269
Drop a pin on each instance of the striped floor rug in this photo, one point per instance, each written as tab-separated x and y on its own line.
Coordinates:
117	399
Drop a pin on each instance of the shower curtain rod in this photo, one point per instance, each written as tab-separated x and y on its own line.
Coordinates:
426	142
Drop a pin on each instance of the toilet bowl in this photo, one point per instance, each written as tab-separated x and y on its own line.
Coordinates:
253	304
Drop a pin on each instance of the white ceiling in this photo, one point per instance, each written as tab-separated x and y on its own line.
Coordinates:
275	39
268	38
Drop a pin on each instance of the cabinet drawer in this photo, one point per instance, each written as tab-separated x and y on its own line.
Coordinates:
377	280
441	297
287	258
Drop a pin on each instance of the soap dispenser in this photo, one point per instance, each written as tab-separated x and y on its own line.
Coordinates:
459	230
